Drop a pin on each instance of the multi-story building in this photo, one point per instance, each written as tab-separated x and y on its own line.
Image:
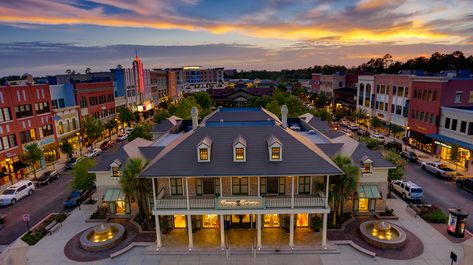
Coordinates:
456	128
172	91
95	99
327	83
365	98
25	118
391	98
138	87
81	78
243	169
66	113
428	95
159	85
195	78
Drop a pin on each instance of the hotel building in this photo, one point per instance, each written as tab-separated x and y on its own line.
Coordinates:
244	168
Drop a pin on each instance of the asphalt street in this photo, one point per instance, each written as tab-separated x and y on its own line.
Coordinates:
46	199
441	192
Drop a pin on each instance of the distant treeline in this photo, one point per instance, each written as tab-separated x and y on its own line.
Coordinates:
436	63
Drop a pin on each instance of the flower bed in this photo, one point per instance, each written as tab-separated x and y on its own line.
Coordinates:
39	231
433	214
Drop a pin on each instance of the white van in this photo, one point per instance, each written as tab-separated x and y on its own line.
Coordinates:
16	192
408	189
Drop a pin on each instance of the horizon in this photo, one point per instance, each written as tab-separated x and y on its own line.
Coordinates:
265	35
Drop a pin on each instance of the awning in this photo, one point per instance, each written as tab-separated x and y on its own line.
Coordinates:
113	195
449	140
19	165
420	137
369	191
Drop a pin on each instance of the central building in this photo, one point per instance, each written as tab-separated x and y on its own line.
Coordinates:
241	168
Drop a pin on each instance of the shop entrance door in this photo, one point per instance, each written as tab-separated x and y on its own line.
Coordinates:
241	221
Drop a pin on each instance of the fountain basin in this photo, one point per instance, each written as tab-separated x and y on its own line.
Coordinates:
102	236
383	234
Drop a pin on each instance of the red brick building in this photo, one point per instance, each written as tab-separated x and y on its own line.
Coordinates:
25	118
95	99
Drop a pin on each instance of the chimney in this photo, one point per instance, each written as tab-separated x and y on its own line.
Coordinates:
284	112
195	117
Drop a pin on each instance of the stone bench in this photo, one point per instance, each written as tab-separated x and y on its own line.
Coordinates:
413	210
53	226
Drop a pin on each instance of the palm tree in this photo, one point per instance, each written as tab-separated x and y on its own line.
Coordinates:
31	155
136	187
66	148
345	185
88	70
68	71
119	66
110	125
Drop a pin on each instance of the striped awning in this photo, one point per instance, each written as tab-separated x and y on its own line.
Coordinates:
369	191
113	195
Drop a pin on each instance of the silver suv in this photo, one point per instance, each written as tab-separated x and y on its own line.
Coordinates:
16	192
407	189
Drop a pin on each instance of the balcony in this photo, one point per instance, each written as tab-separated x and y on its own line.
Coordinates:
241	202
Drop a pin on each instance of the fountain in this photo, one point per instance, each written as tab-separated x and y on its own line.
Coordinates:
382	234
102	236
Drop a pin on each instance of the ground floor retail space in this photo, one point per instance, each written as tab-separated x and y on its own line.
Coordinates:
241	230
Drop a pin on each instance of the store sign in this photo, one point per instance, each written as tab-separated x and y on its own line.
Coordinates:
240	203
442	144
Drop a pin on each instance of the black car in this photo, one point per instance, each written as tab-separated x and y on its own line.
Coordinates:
48	177
394	146
409	156
77	197
466	184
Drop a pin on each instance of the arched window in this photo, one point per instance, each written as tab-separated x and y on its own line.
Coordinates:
424	94
74	124
434	97
60	128
415	93
421	116
432	118
430	95
426	119
417	115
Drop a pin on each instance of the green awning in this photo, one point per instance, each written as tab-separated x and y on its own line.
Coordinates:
369	191
113	195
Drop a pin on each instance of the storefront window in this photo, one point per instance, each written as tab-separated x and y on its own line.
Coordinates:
271	220
120	207
179	221
363	205
210	221
302	220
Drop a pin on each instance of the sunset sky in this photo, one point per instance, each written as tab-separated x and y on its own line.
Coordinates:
49	36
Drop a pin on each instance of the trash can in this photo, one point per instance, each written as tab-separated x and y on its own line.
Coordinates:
456	222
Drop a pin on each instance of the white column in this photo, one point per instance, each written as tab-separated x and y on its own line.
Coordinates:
291	231
154	192
222	232
292	191
187	194
259	186
324	231
189	231
326	190
158	232
258	231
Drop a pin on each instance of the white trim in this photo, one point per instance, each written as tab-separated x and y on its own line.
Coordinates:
246	211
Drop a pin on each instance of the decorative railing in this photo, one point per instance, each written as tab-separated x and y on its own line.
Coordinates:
264	202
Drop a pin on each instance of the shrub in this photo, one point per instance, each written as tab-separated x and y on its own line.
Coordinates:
101	213
438	217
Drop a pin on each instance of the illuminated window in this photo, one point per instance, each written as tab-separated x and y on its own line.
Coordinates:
115	172
240	154
203	154
367	168
239	149
275	153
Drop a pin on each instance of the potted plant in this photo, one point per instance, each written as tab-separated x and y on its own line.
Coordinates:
316	223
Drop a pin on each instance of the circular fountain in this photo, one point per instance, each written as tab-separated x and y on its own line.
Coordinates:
102	236
382	234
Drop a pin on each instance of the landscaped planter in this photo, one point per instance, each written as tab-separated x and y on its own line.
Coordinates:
386	217
40	230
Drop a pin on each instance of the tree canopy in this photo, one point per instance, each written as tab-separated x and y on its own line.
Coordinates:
31	155
82	178
66	148
142	130
91	128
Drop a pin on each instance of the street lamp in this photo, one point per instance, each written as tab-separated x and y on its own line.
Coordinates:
80	143
9	169
407	136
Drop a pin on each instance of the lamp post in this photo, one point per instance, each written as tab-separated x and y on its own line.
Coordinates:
9	169
407	136
80	143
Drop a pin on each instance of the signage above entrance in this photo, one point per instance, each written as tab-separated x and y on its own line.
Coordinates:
240	203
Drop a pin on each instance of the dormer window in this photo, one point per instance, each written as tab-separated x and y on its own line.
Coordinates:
274	148
204	150
115	168
367	165
239	149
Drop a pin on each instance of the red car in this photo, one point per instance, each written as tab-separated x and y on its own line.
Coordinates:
106	145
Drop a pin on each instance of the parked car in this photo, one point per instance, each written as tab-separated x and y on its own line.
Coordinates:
77	197
439	169
409	156
353	127
343	123
394	146
362	132
128	130
16	192
348	132
466	184
70	164
106	145
94	153
407	189
378	137
122	137
47	177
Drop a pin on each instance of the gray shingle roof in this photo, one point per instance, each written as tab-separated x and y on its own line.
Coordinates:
107	157
362	151
330	149
299	156
242	114
324	128
150	152
163	126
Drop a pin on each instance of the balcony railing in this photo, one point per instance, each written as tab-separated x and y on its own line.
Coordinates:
269	202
